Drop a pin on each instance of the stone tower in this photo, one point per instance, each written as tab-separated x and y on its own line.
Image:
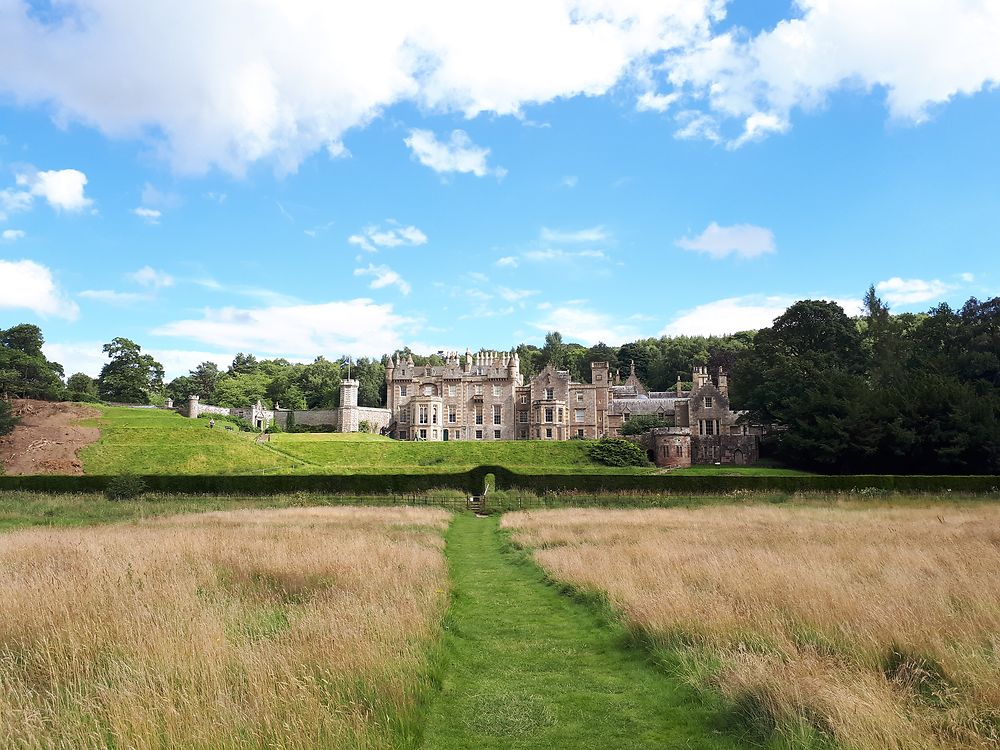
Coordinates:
349	405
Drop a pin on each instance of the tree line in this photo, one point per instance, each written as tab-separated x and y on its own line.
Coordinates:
881	392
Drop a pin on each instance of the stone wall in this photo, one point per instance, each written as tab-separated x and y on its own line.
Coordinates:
311	417
724	449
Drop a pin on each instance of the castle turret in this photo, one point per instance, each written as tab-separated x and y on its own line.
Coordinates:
192	409
348	410
723	382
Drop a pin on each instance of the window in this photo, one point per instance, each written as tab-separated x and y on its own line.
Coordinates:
402	390
478	390
548	432
428	390
549	394
548	414
598	378
435	415
423	434
479	415
579	433
625	417
709	427
479	434
524	398
678	450
580	415
560	414
496	391
708	403
579	397
422	416
452	413
497	413
496	434
403	435
434	434
522	416
404	415
452	391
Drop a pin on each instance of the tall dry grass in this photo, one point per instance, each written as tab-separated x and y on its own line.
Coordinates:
876	628
300	628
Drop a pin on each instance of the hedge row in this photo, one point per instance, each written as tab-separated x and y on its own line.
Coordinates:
473	482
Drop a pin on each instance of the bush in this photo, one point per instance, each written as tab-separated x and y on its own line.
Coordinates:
617	452
242	424
82	396
125	487
7	419
643	423
365	426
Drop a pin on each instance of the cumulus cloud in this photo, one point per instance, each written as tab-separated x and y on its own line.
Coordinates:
14	201
920	53
373	237
457	154
30	286
360	327
507	261
63	189
742	240
149	215
87	357
898	291
578	322
735	314
149	276
12	235
383	276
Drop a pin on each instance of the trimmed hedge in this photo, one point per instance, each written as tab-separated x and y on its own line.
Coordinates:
473	481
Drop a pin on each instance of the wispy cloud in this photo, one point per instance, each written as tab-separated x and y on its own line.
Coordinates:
371	238
383	276
899	291
561	236
151	277
149	215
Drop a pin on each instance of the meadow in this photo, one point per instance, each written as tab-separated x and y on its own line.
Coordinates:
295	628
839	625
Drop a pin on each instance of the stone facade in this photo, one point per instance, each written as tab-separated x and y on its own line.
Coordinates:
484	397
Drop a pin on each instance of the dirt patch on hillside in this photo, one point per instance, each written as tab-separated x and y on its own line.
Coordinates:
48	439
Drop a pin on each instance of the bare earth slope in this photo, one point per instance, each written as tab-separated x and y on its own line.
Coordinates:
48	439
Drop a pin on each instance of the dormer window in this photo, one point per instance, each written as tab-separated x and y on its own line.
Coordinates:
549	394
708	402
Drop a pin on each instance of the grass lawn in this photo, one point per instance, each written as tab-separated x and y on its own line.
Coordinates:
335	452
153	441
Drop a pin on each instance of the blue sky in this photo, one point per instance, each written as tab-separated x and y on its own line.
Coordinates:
327	181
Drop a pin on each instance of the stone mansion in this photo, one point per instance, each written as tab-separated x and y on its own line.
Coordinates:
484	397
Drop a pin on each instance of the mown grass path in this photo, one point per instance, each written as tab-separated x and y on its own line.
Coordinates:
527	667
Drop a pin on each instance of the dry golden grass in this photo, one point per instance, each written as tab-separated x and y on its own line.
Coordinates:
878	627
298	628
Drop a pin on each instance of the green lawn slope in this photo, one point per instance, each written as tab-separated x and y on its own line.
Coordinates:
153	441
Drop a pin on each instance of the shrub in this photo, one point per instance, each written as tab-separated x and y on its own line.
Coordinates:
365	426
7	419
617	452
643	423
125	487
290	421
242	424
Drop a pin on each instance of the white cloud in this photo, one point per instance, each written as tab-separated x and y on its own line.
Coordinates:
968	278
458	154
515	295
14	201
12	235
149	276
898	291
581	323
113	297
279	81
29	285
734	314
149	215
507	261
557	254
920	53
383	276
63	189
742	240
358	326
373	237
88	357
558	236
653	102
569	181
